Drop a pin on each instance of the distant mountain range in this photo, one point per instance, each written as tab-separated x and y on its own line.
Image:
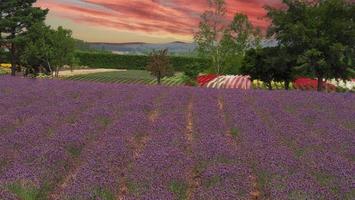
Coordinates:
144	48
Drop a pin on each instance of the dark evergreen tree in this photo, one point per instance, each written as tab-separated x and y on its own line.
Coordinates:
16	17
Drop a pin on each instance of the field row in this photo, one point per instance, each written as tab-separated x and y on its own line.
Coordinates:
127	77
80	140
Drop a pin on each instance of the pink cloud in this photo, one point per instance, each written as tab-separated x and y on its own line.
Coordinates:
179	17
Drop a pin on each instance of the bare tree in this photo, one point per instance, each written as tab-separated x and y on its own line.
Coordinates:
159	65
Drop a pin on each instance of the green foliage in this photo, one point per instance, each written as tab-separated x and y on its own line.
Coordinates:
4	56
317	32
211	32
222	42
103	194
233	64
35	48
131	62
81	45
271	64
111	61
179	188
63	46
47	47
29	192
15	19
191	73
159	65
234	132
24	193
212	181
74	150
188	81
314	61
3	71
256	65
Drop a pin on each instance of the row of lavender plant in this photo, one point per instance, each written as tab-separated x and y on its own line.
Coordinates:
315	120
26	99
99	175
280	174
36	129
106	141
323	147
336	109
16	145
47	156
160	169
217	161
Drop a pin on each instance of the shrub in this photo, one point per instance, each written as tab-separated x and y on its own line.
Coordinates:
159	65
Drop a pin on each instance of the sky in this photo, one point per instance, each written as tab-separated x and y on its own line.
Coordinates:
151	21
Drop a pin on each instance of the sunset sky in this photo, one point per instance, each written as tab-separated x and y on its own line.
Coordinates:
153	21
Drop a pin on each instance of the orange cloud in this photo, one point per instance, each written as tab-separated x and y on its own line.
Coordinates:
178	17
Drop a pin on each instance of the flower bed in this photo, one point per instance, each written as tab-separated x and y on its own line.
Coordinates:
204	79
225	81
5	65
311	84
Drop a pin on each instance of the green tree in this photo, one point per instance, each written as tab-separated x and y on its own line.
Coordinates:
63	49
16	16
49	47
317	33
222	41
284	64
82	45
267	64
212	28
2	54
159	64
240	36
314	62
36	49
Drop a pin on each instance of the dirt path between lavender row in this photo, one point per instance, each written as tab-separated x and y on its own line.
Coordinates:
138	144
194	178
255	193
66	73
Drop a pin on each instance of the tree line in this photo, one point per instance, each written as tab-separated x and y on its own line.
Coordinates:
315	39
32	44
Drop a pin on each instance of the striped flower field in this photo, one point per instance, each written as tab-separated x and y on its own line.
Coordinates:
65	140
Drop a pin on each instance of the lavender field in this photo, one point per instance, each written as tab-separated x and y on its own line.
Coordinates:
80	140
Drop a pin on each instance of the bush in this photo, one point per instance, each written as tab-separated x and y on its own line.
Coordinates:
4	57
132	62
188	80
193	70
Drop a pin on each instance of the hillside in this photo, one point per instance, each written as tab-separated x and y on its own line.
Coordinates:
144	48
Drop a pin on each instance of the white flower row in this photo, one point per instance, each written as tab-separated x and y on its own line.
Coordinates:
349	85
230	81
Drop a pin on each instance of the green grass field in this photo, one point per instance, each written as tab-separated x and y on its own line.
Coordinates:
129	76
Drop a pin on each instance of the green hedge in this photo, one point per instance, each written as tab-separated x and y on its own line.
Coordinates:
131	62
136	62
